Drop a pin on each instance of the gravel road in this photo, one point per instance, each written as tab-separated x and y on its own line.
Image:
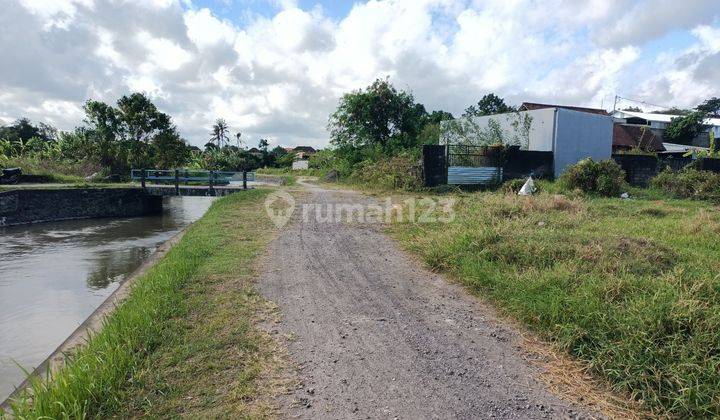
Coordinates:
378	336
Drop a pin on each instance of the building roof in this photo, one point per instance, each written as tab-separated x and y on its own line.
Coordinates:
529	106
635	136
680	148
665	118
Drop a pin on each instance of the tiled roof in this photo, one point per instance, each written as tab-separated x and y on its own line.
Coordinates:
634	136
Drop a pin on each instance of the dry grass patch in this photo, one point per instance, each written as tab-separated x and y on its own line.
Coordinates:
627	287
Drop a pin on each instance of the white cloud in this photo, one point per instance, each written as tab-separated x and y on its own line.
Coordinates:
280	76
688	77
206	30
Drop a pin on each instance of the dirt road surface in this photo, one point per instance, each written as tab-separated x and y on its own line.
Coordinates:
375	335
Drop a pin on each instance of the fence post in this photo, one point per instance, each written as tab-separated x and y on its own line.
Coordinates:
244	180
142	178
177	182
211	190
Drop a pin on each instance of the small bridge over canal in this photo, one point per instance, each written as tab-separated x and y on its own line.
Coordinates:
183	182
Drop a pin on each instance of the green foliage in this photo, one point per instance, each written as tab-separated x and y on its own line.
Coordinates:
52	170
628	286
689	183
513	186
604	178
489	104
132	134
672	111
711	152
430	134
397	172
378	116
436	117
285	160
219	134
684	129
710	106
158	319
469	131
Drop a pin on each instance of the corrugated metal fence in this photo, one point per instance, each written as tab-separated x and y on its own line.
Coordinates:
469	175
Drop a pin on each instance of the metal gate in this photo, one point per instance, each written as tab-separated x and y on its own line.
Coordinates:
470	165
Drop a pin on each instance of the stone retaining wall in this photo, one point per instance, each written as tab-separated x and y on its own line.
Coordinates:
19	207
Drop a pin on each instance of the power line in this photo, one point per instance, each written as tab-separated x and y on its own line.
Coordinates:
641	102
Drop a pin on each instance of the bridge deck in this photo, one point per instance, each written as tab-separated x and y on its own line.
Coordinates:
193	190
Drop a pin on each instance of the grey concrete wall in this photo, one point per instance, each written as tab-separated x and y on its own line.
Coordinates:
580	135
33	206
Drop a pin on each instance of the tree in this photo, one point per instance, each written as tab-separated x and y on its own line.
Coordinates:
132	134
23	130
170	151
140	120
278	152
488	105
632	109
263	145
710	106
684	129
689	124
379	115
436	117
672	111
219	133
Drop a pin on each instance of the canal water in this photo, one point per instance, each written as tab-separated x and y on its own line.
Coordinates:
53	276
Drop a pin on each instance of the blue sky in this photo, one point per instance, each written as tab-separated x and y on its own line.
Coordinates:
237	11
275	69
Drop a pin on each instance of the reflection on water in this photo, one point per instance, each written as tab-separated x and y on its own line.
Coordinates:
53	275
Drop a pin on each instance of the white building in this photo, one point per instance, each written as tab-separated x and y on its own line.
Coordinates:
571	135
659	122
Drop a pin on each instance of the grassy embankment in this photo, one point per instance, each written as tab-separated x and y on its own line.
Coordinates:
290	172
631	287
50	171
184	342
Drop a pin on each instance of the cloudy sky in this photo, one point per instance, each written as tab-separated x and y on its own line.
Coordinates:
276	69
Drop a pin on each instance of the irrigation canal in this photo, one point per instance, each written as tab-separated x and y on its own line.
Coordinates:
53	275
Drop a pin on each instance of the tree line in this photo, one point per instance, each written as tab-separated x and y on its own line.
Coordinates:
133	133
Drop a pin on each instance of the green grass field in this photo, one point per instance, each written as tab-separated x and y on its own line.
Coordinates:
185	341
631	287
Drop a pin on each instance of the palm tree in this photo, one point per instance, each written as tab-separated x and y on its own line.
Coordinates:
219	132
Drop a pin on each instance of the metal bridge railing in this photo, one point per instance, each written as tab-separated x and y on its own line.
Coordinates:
191	177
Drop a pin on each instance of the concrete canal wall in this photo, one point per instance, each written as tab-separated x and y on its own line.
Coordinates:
19	207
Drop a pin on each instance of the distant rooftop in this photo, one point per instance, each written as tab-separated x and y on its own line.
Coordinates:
666	118
530	106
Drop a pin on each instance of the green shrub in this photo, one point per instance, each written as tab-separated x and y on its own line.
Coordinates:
604	178
512	185
400	171
689	183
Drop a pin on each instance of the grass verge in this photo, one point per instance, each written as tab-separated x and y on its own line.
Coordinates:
184	343
38	170
628	286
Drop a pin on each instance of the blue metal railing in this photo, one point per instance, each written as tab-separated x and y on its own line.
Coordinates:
191	177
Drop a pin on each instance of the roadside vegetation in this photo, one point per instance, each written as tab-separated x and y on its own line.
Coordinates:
628	286
185	342
133	133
